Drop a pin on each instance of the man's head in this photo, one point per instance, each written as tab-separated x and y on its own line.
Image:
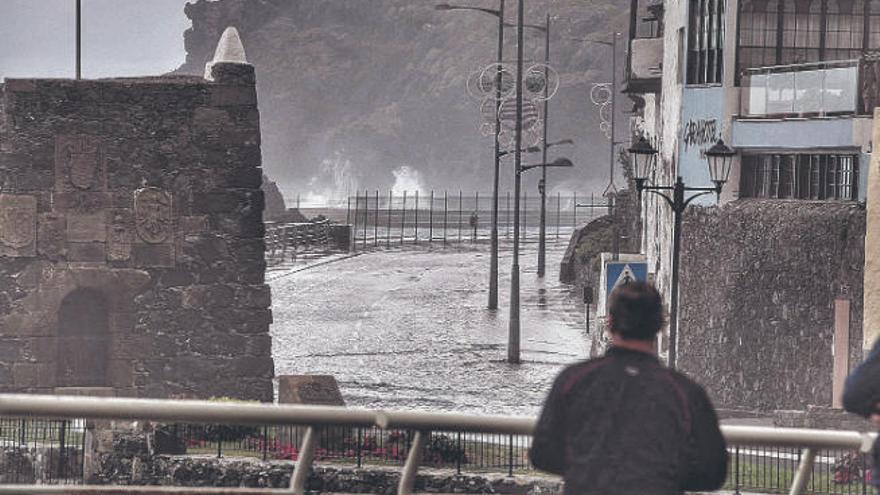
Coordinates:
635	311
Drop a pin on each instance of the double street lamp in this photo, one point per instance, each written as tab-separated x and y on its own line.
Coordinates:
493	257
644	159
513	342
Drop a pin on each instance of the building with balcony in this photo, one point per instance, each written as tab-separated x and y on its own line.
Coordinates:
791	85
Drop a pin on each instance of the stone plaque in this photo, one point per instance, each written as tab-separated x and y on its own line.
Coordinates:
79	163
309	389
153	215
86	227
119	236
18	225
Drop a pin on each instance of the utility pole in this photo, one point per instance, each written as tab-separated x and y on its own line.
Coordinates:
78	39
542	243
493	256
513	350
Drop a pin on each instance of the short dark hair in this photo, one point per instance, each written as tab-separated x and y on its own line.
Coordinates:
636	311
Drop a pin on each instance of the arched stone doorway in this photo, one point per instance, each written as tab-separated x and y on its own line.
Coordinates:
83	339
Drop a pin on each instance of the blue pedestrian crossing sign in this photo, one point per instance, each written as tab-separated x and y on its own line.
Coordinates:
621	273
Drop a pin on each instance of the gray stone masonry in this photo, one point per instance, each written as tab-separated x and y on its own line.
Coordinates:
758	284
131	237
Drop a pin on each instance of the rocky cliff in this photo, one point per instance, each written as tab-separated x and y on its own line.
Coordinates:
371	94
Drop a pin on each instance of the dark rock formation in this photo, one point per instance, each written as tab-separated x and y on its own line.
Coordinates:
275	206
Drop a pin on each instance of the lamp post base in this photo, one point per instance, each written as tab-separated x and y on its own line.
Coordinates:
513	329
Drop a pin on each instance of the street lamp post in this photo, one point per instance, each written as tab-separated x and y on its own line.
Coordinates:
513	330
79	39
610	191
493	256
644	158
513	347
543	225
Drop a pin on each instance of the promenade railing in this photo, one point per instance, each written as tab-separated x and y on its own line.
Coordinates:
801	460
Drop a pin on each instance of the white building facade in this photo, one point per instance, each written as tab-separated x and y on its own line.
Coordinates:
789	84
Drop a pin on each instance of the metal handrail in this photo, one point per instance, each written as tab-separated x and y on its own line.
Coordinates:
51	406
800	67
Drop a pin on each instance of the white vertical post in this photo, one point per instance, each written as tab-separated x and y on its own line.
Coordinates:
805	469
411	468
871	321
304	463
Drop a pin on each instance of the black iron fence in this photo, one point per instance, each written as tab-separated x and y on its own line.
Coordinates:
751	469
41	451
771	470
360	446
52	452
451	217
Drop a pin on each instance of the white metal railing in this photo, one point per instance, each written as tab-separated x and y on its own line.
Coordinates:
313	417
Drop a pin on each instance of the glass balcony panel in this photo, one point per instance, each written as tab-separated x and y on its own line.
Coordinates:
780	93
841	86
794	91
808	91
756	86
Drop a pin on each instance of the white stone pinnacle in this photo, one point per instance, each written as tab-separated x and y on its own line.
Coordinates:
229	51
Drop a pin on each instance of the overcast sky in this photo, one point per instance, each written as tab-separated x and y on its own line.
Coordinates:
120	37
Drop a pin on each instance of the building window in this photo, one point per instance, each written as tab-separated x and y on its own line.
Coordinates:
800	31
872	23
845	34
705	62
757	33
799	176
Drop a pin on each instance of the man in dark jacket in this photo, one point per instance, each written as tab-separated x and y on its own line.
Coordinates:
861	396
624	424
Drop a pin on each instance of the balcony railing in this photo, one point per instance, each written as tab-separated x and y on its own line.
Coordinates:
808	443
802	90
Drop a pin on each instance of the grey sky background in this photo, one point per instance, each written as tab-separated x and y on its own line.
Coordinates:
120	37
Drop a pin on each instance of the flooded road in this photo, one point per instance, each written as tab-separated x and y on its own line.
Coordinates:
409	329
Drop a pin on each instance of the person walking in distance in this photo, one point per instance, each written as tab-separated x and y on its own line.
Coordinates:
624	424
474	222
861	395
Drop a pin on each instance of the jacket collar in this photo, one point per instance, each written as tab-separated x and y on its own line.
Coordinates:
615	351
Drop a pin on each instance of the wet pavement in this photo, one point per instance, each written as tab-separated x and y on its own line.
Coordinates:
408	328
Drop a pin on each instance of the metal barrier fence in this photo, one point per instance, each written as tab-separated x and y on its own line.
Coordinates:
764	459
45	451
388	219
287	240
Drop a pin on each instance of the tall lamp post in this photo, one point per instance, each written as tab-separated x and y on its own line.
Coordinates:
644	158
493	257
612	45
79	39
513	342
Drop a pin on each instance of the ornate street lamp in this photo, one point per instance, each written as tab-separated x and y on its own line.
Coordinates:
644	158
493	257
720	158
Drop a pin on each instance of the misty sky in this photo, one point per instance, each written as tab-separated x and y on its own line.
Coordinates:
120	37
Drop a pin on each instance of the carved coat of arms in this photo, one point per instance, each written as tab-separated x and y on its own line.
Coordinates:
79	160
153	215
18	221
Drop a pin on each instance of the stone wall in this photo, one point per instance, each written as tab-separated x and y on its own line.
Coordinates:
251	473
131	237
758	283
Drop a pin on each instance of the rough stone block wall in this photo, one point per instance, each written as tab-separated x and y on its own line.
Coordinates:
758	284
131	237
